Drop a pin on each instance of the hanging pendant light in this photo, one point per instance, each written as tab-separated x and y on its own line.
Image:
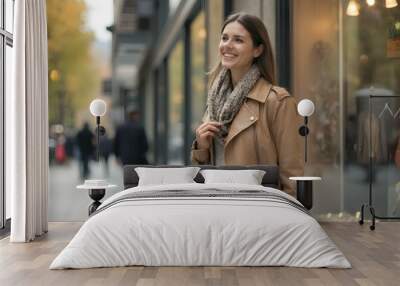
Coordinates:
390	3
371	2
352	8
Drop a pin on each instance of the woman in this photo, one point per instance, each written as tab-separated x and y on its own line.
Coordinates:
249	120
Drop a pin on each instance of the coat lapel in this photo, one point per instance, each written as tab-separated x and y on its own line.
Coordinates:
247	116
249	112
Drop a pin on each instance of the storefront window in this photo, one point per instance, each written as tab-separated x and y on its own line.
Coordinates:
340	58
198	73
371	57
175	105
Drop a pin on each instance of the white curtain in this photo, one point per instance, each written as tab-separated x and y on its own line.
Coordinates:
27	123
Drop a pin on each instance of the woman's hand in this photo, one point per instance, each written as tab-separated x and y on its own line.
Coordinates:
205	132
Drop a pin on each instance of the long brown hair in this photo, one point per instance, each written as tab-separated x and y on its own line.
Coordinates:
259	36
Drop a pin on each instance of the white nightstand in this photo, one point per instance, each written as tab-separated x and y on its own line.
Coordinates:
97	190
305	190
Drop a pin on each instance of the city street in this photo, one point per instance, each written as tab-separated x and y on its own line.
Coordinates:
66	202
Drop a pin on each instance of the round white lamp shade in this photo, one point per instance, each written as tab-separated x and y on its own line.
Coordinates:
305	107
98	107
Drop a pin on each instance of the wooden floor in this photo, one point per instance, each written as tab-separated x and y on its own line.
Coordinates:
375	257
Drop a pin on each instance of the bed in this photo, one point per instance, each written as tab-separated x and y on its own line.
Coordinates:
201	224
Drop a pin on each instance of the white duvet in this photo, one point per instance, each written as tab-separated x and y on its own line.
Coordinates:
200	231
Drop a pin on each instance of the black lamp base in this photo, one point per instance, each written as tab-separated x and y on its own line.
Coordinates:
96	195
305	193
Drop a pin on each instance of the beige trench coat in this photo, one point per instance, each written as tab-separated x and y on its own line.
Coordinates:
264	131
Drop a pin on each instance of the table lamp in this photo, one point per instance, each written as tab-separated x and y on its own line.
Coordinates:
97	188
305	184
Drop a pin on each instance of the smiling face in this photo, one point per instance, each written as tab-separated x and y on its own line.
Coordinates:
236	48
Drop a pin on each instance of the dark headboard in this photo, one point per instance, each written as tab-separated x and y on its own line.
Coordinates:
270	179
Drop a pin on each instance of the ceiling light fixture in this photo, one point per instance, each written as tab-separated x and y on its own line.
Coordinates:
371	2
352	8
390	3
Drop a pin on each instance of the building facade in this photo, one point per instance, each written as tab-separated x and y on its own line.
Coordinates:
334	52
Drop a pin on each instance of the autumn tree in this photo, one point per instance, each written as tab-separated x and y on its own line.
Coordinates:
73	75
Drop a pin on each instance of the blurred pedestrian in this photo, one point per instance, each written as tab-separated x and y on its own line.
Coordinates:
106	147
130	142
60	153
84	140
69	145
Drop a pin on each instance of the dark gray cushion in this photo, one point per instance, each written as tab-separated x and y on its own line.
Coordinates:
270	179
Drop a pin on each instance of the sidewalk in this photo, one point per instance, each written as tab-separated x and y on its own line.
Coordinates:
66	202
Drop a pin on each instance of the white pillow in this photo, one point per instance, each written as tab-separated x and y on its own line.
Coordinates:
162	176
248	177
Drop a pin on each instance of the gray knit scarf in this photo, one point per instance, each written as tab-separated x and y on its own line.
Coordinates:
223	103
